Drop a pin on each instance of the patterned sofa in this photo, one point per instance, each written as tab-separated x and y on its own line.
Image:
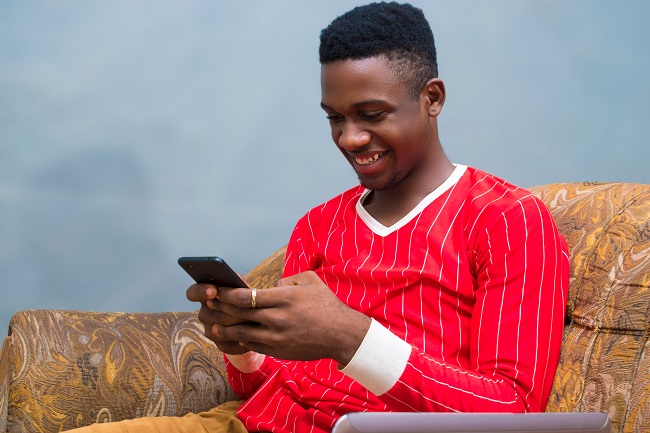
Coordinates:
62	369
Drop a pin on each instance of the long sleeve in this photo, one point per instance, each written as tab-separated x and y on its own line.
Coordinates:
466	294
521	269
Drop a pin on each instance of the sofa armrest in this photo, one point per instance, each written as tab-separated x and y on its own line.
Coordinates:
65	369
5	380
72	369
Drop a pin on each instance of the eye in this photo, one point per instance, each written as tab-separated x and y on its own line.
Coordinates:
334	118
372	115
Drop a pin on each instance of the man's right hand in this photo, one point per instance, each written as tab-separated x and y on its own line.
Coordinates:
211	316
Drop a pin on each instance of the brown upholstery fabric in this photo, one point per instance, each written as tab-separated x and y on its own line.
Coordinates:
74	368
61	369
5	380
267	273
66	369
604	365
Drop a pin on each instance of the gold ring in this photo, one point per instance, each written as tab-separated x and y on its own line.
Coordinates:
253	297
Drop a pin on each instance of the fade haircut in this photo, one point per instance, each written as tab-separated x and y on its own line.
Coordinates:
398	31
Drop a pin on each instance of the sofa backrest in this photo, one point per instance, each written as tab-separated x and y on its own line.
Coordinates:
605	362
604	365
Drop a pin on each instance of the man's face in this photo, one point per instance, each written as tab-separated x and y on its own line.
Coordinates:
382	131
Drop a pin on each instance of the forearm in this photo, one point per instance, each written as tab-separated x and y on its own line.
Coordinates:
408	380
430	385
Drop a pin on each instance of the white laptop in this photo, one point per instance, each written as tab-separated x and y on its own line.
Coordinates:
400	422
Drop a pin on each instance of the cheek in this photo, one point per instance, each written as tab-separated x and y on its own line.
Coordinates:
397	135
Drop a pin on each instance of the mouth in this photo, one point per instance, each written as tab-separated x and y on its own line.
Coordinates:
369	159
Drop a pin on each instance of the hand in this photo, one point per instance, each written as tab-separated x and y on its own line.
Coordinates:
209	316
299	319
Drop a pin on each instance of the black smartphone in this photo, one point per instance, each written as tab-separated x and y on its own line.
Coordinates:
211	270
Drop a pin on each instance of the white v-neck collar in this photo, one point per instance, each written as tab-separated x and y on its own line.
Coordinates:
381	230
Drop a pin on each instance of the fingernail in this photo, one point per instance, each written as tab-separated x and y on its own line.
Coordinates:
215	329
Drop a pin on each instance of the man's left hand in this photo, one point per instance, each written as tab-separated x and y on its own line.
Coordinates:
299	319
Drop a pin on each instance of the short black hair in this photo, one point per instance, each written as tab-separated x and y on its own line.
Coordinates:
398	31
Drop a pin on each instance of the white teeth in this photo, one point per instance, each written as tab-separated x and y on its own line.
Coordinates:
364	161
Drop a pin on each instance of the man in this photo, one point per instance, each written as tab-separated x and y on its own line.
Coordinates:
429	287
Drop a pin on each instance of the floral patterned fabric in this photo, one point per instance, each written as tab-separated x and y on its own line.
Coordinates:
605	363
63	369
75	368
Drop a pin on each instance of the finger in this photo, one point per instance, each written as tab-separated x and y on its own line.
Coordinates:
215	303
201	292
234	315
244	333
243	298
217	314
224	345
210	317
230	347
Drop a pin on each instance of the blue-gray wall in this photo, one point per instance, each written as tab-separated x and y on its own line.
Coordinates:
132	133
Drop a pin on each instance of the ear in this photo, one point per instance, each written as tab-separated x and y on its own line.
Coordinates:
435	94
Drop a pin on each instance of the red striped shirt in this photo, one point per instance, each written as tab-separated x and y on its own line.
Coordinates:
472	282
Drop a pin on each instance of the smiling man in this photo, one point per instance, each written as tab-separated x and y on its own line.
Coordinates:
431	286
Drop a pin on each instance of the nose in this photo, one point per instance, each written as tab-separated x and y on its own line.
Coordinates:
353	137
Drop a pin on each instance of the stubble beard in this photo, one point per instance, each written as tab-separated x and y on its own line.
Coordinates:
394	180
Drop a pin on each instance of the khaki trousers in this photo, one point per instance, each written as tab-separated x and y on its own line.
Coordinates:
221	419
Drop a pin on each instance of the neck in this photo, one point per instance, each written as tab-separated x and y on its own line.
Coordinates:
390	205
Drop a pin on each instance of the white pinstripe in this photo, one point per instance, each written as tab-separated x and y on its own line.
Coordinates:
335	219
481	321
452	387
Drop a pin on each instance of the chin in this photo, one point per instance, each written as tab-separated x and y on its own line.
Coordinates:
379	185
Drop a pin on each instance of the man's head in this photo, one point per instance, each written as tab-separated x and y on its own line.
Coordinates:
398	31
380	90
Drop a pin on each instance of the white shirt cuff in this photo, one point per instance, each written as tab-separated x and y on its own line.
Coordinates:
379	361
247	362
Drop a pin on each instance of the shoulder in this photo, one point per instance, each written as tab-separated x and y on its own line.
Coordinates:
329	210
490	199
487	192
487	189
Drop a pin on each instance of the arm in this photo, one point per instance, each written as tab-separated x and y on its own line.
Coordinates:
247	372
516	328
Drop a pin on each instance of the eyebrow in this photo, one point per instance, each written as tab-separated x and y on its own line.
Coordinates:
356	104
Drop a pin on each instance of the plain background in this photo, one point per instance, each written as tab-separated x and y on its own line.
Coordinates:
133	133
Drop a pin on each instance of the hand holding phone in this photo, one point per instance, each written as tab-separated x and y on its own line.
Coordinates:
215	271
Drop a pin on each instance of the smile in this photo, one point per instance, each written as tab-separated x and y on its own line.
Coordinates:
370	160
